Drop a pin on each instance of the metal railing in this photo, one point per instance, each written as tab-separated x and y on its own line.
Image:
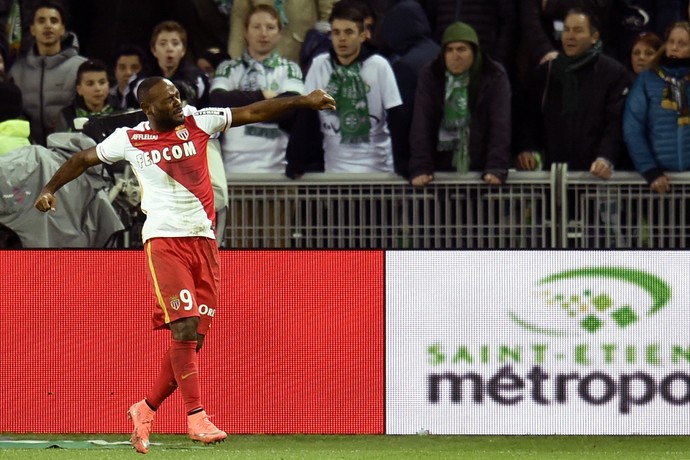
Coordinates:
384	211
554	209
623	212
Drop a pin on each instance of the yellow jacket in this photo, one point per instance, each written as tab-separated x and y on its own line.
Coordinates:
13	134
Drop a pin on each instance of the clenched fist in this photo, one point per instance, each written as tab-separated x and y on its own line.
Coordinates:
46	202
320	100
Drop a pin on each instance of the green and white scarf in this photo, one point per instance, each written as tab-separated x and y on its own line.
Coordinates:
85	112
454	133
13	28
251	81
280	8
350	94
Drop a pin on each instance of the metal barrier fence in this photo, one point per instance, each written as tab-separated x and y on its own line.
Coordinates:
555	209
384	211
622	212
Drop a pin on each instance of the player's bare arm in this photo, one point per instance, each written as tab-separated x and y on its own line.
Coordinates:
272	108
70	170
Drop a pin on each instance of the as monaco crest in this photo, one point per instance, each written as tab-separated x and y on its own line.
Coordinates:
183	134
175	303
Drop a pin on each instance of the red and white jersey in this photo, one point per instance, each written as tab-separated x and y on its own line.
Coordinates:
172	169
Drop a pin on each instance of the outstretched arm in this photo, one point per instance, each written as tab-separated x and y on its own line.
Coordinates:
272	108
70	170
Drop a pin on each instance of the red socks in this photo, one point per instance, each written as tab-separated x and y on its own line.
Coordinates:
183	361
165	383
178	368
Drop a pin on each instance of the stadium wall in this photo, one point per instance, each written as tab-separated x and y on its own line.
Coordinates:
537	342
296	347
396	342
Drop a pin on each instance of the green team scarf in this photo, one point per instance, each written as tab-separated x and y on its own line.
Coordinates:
81	111
455	127
14	30
350	94
280	8
250	82
84	112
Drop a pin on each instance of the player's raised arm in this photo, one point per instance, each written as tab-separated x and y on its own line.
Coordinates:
70	170
272	108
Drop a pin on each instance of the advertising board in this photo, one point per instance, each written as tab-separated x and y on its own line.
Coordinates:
537	342
296	345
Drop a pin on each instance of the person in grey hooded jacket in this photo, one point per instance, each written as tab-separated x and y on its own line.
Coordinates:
47	74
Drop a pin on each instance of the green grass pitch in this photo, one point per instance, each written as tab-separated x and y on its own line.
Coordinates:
331	447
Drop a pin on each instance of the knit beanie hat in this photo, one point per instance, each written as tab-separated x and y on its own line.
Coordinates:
460	32
10	101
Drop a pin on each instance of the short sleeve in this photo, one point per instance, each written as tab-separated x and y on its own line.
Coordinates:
113	147
223	79
294	82
389	86
213	119
318	74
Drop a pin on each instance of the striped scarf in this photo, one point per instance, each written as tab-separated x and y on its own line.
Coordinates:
674	96
254	79
350	94
454	132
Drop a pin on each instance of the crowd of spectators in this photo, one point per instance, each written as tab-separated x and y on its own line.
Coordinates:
599	85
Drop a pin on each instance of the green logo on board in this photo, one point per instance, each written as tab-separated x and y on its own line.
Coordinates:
594	298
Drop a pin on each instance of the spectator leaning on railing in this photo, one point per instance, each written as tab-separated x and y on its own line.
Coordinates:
461	118
405	39
656	123
575	104
357	137
261	73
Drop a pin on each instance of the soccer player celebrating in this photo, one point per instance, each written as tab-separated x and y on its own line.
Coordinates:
168	154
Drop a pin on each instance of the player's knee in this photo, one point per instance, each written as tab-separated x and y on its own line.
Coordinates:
185	329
